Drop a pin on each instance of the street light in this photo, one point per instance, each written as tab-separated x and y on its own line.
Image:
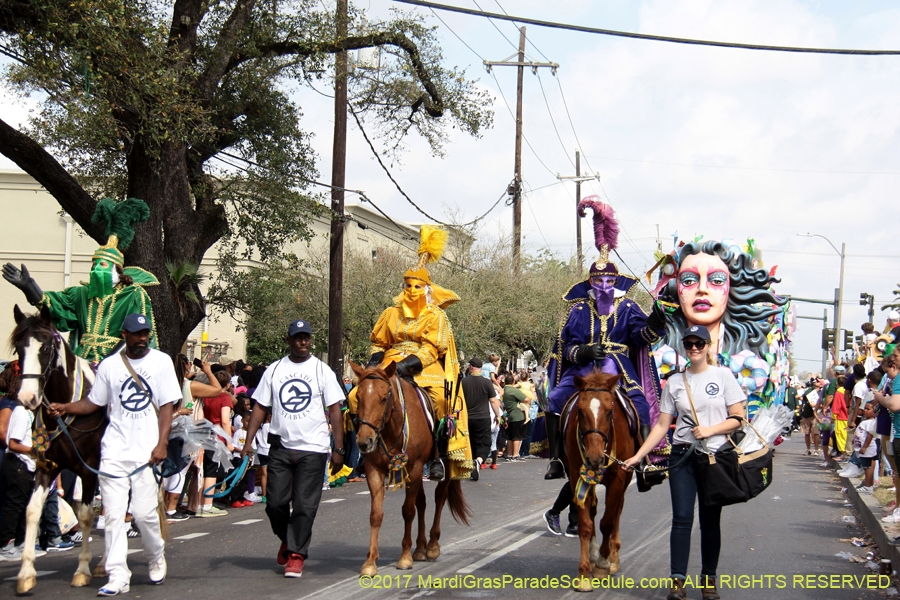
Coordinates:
840	299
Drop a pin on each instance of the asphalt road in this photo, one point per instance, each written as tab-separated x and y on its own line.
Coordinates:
770	545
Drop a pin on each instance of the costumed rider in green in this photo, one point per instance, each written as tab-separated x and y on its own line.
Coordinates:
93	313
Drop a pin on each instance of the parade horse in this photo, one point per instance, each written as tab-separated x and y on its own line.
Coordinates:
51	372
395	436
598	438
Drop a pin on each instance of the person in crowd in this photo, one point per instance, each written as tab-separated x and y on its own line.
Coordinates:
857	388
18	472
713	395
299	389
892	327
139	387
489	371
513	401
484	407
839	415
262	455
239	438
888	396
864	447
808	415
218	412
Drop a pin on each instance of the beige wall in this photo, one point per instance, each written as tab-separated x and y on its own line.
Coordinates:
35	234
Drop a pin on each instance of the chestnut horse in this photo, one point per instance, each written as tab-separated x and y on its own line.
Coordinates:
394	431
597	436
50	373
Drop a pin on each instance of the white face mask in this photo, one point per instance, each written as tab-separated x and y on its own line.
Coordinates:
115	277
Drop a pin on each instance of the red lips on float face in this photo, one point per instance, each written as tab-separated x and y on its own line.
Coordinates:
703	285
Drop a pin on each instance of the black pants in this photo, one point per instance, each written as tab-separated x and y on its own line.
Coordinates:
19	487
480	434
293	492
566	499
240	486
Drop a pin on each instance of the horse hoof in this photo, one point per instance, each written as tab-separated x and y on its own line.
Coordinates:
613	568
99	571
81	580
368	571
432	555
599	572
405	564
26	585
419	555
582	584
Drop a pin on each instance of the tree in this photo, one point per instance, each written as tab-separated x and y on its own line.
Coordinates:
143	99
896	304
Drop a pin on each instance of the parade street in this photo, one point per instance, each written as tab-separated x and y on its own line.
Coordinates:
792	530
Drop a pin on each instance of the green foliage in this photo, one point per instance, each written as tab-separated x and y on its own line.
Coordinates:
896	304
185	279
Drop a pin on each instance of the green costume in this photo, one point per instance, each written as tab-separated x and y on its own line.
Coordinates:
93	312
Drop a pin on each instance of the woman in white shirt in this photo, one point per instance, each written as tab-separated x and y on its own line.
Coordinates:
718	401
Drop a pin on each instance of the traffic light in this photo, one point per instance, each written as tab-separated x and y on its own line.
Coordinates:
848	339
827	338
861	341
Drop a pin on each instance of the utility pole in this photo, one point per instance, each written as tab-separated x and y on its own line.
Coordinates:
578	179
840	299
338	179
868	300
517	182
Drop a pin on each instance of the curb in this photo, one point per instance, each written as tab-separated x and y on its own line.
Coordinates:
870	514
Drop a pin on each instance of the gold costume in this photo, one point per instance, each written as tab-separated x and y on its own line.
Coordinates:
418	326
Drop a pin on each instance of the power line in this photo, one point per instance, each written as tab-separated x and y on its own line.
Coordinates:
457	35
550	112
524	137
644	36
498	30
529	39
677	164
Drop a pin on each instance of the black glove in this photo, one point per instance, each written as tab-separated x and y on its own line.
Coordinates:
589	353
375	360
657	319
23	281
409	366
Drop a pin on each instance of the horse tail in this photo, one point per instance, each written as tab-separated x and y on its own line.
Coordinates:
459	508
163	517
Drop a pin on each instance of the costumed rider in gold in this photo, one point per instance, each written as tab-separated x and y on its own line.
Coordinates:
94	312
415	333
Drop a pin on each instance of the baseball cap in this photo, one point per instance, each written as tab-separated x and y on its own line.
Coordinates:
299	327
135	322
894	315
476	362
839	369
225	360
697	331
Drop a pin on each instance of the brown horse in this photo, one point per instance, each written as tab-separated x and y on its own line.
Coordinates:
597	434
49	374
392	423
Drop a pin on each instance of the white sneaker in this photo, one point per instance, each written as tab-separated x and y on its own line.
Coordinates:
254	497
114	588
101	522
894	517
863	490
158	570
211	511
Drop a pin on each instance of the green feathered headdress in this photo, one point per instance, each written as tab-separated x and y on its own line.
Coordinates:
120	219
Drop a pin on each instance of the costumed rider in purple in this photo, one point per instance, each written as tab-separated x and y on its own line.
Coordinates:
610	325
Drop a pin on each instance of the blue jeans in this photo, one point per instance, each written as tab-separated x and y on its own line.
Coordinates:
683	488
352	453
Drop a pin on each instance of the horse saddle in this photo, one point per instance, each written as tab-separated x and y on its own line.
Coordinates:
624	402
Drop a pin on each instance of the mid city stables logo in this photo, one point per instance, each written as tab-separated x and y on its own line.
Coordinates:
134	400
712	389
294	396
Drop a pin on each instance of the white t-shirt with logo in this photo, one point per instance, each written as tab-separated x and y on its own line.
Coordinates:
133	430
866	427
713	390
19	429
299	394
238	440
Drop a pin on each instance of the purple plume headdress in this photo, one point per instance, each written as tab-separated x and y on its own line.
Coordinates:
606	233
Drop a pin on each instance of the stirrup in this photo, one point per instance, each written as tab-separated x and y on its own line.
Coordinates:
436	471
555	473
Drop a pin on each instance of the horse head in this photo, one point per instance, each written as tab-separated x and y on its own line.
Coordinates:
374	397
594	414
41	352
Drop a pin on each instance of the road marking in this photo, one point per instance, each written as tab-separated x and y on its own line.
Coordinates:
247	522
133	550
332	500
500	553
361	493
38	574
191	536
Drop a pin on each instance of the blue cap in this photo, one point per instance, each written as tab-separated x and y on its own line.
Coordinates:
299	327
697	331
136	322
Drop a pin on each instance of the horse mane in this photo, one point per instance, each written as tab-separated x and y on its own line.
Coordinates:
31	324
600	379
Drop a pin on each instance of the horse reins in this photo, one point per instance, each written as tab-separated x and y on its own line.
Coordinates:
386	416
605	435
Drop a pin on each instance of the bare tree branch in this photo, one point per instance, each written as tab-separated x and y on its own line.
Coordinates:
221	57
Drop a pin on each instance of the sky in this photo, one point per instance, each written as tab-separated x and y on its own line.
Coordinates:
686	140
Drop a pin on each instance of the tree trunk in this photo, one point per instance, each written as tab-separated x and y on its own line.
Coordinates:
174	233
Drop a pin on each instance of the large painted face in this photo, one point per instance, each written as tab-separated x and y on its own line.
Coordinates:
703	289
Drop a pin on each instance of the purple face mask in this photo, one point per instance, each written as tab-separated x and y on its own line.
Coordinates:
604	290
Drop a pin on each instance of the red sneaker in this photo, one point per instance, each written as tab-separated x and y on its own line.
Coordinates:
493	466
483	466
237	504
282	559
246	503
294	567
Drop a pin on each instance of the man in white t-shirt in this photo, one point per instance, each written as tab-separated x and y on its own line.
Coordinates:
140	417
299	388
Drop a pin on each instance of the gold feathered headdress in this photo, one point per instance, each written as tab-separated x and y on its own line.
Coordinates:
432	241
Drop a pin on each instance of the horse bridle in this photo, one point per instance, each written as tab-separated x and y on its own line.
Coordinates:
603	434
50	366
388	412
